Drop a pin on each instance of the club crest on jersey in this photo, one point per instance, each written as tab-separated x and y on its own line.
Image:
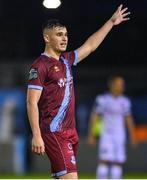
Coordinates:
56	68
33	74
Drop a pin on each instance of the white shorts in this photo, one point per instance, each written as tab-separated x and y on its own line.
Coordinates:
111	149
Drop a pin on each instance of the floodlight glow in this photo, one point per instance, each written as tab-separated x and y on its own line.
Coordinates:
51	4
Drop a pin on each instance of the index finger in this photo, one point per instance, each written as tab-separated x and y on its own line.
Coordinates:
120	7
123	10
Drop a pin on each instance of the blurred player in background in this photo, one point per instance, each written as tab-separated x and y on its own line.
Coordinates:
115	110
51	94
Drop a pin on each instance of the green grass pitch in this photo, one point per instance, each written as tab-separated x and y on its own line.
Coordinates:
81	176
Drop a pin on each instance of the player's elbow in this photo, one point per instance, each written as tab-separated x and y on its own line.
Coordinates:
94	47
30	103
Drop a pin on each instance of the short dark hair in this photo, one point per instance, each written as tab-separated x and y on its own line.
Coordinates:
51	23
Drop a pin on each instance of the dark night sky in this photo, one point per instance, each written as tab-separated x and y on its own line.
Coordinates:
21	34
123	50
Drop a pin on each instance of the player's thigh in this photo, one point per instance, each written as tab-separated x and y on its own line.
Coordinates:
74	140
61	154
106	149
120	150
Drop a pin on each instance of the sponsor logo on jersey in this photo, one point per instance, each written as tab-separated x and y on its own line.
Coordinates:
63	81
33	74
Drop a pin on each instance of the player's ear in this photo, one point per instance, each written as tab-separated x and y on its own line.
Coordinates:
46	38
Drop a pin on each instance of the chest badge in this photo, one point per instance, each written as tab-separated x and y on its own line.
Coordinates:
56	68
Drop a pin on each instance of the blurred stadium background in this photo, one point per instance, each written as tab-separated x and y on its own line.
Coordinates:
123	52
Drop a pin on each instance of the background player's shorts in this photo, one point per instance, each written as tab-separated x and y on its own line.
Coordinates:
111	149
61	148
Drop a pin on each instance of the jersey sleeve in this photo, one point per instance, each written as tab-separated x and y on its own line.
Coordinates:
72	57
37	76
99	104
127	107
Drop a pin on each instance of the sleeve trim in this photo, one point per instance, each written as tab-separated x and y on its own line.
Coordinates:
35	87
76	58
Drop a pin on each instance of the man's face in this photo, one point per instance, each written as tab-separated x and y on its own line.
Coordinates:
117	86
57	39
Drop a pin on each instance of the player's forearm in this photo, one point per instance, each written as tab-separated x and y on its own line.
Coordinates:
92	123
131	127
95	39
33	115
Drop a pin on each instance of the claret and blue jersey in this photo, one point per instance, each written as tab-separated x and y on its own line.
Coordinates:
57	100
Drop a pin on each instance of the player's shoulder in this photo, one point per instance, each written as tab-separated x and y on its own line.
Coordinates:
40	60
102	97
125	99
69	54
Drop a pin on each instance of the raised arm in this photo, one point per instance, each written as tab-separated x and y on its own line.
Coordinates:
33	97
95	39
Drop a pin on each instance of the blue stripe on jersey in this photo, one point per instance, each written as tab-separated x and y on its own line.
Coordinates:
76	58
35	87
61	173
62	110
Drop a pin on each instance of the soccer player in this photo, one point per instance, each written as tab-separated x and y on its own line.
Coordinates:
115	110
50	94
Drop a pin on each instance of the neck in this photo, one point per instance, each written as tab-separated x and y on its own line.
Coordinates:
115	94
52	53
